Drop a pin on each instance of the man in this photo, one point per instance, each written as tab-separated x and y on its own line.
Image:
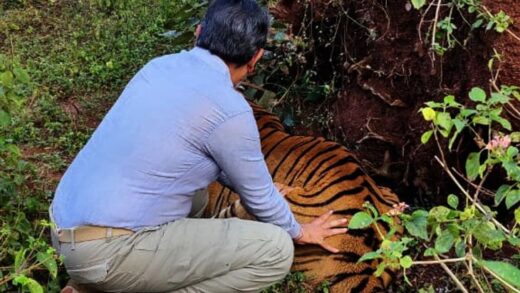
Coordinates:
121	209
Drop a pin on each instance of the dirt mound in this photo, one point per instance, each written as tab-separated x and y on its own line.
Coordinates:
387	73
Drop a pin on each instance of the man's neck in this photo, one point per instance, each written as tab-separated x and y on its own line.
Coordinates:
237	73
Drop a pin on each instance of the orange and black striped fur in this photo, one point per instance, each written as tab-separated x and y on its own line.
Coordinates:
325	176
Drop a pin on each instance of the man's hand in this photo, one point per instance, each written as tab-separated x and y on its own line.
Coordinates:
318	230
283	189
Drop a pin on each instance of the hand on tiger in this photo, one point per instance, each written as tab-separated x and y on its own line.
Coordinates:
283	189
318	230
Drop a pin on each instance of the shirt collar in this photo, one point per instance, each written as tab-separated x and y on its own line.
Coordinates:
213	61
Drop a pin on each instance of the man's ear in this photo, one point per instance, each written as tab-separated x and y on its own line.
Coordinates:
251	64
198	29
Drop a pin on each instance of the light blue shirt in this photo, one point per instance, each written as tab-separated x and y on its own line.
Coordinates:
176	127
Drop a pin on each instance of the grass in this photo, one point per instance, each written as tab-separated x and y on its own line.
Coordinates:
80	55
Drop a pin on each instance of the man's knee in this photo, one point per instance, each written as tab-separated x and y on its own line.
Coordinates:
284	247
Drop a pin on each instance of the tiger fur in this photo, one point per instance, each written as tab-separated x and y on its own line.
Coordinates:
324	176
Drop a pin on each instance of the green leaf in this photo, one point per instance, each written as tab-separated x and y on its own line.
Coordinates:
49	262
360	220
369	256
444	242
406	262
467	112
416	224
29	283
440	213
512	198
21	75
428	113
517	215
480	120
19	258
443	119
430	252
488	235
501	193
7	79
477	95
473	165
453	201
504	270
5	119
459	124
426	136
380	269
460	248
498	98
417	4
505	123
515	241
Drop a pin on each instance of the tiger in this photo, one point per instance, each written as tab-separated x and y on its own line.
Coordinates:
323	176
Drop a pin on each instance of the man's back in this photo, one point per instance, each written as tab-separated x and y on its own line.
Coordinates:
148	155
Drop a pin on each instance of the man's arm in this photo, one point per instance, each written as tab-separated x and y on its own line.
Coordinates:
235	146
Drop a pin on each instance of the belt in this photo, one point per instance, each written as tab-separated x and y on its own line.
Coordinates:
87	233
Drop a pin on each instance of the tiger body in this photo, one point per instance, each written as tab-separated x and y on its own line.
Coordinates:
324	176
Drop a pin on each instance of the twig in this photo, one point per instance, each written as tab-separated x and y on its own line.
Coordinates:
472	274
497	223
252	85
436	19
482	189
419	28
452	275
438	261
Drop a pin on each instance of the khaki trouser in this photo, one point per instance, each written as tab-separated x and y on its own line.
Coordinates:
187	255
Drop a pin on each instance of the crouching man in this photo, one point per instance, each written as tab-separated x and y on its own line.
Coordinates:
126	210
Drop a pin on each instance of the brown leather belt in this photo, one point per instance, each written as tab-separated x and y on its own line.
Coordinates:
87	233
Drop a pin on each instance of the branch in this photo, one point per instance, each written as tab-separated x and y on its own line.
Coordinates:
480	208
438	261
452	275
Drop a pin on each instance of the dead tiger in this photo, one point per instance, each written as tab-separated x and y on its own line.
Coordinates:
324	176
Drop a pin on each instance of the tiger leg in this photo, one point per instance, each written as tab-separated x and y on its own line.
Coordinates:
235	210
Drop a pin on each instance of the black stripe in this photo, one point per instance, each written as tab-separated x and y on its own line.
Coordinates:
330	200
288	153
316	169
271	124
348	256
377	193
232	210
219	200
343	161
342	276
348	212
298	159
303	262
361	286
317	252
275	146
352	176
326	150
264	137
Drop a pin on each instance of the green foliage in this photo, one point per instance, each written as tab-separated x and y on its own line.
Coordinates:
448	32
65	64
465	229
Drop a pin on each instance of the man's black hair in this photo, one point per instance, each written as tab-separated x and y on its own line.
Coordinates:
234	30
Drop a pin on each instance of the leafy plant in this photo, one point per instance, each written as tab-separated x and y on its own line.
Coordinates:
464	229
443	28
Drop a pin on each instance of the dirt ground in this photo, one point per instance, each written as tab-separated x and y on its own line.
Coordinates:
387	73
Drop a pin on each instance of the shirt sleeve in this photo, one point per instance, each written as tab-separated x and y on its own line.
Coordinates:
235	147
